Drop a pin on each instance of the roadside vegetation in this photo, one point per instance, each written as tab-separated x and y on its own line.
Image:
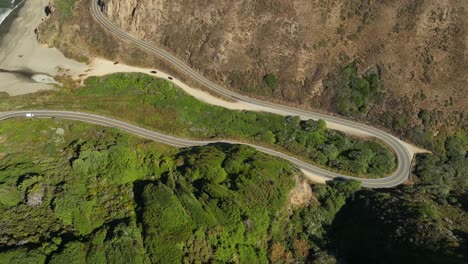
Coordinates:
426	222
158	105
77	193
354	93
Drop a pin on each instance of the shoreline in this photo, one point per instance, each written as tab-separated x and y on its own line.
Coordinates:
33	55
20	52
6	24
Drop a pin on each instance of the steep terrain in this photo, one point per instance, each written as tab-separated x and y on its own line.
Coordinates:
77	193
292	51
83	191
400	64
90	194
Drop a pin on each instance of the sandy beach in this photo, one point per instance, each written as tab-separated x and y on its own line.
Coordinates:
19	51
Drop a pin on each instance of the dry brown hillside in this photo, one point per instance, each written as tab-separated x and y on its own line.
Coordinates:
417	48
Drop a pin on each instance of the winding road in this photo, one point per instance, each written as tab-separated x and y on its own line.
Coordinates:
396	178
404	157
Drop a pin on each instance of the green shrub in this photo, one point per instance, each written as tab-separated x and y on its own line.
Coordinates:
271	80
9	195
425	117
354	94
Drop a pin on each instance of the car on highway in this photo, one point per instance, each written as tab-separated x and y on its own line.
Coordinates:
170	78
29	115
154	72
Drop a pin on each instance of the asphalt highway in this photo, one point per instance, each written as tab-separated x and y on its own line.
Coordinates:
396	178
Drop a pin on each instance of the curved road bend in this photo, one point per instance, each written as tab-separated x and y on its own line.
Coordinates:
403	156
396	178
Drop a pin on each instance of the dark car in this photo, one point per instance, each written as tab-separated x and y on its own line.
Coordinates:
116	62
170	78
154	72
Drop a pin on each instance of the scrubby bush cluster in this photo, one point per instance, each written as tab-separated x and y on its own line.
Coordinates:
355	93
304	235
427	222
80	197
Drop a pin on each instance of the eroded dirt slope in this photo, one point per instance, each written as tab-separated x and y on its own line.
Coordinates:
418	47
419	44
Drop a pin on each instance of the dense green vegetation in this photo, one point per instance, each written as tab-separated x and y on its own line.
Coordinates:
445	174
82	192
400	227
88	194
77	193
163	107
423	223
222	200
304	234
426	223
355	93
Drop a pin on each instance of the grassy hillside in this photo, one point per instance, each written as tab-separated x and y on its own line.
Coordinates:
159	105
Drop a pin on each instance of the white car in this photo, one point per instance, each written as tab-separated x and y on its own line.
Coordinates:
29	115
